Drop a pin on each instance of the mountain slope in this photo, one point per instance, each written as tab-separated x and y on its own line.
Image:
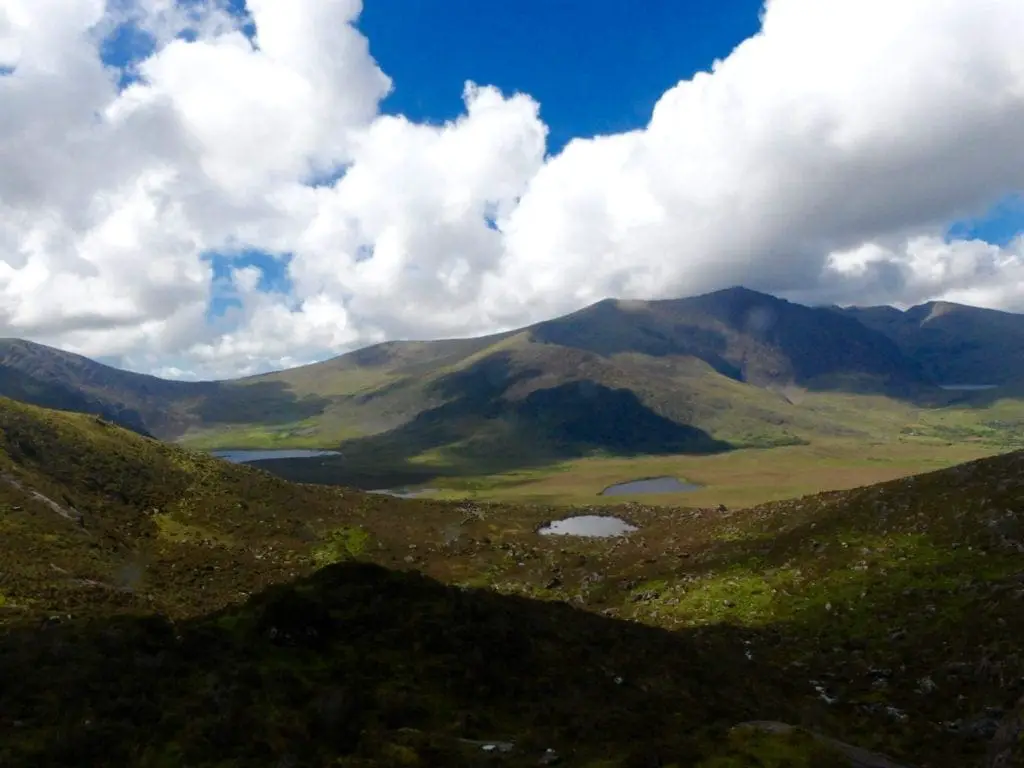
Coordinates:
643	377
94	515
954	344
885	616
729	369
749	336
52	378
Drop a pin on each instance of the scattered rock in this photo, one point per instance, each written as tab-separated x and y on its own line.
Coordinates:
550	757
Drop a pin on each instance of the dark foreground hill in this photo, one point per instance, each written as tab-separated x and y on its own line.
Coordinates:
159	607
361	666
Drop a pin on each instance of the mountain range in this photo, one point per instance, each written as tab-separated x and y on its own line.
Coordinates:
733	368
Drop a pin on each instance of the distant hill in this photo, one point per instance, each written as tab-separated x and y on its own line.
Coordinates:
52	378
727	369
954	344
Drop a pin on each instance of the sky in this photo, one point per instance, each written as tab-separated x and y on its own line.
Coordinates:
213	188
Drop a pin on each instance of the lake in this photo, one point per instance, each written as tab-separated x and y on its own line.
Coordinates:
244	457
967	387
650	485
403	493
599	526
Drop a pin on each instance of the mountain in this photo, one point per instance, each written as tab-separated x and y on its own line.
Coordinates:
730	369
745	335
52	378
696	374
161	607
954	344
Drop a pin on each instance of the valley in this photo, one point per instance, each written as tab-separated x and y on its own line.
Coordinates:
752	396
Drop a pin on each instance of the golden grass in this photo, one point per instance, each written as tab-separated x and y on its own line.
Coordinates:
737	479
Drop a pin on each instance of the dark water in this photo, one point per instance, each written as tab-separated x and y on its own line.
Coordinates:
600	526
244	457
650	485
967	387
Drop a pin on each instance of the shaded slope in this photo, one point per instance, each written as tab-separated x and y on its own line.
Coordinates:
52	378
954	343
360	666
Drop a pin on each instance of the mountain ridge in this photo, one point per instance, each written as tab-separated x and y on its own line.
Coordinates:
732	368
955	343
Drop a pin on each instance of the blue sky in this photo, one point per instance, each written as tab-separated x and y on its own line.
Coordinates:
595	67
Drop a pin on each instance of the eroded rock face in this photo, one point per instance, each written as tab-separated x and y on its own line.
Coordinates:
1007	750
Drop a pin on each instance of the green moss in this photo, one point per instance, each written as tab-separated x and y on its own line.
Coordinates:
398	756
341	545
175	530
752	748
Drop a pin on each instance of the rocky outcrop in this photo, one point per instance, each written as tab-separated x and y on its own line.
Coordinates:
1007	750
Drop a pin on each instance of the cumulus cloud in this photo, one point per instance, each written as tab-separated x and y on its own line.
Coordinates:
821	159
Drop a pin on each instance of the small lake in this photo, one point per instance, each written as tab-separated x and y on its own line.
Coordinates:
599	526
404	493
967	387
244	457
650	485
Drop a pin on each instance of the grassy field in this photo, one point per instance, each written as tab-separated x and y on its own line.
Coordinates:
842	441
737	479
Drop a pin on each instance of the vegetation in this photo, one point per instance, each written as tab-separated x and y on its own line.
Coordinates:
340	546
165	608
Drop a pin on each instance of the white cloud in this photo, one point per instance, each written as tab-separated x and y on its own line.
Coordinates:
821	159
928	267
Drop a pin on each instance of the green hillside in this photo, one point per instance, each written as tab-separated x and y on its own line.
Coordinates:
163	608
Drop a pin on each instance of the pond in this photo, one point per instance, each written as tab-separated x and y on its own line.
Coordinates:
244	457
599	526
404	493
650	485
